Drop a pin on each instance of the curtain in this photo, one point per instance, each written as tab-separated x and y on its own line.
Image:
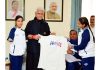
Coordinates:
76	6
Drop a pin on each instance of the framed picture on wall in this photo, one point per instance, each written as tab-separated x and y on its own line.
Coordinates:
14	8
53	10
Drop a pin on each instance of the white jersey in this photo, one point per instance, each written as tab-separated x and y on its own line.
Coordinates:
52	54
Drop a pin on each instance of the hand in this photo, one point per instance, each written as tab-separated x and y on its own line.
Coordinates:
69	51
70	47
36	37
30	36
53	33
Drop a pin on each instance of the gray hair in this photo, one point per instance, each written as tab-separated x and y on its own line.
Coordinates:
53	3
39	9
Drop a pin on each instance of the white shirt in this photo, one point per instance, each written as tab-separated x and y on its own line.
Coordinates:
93	30
52	54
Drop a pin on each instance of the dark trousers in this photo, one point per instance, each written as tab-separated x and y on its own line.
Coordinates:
32	58
88	63
73	65
16	62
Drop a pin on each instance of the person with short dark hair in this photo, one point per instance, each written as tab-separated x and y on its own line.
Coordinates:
73	65
92	24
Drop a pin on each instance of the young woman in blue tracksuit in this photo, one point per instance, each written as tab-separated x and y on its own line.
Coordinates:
17	44
85	45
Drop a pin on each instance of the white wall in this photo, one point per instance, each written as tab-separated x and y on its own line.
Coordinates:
61	28
88	8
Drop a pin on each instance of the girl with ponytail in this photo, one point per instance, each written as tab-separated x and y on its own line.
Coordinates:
85	46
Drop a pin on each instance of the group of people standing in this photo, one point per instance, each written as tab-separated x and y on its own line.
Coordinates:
27	40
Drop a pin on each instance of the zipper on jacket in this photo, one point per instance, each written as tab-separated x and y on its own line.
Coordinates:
14	49
85	51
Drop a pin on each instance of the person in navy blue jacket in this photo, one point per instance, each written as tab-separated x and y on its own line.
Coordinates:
85	47
73	40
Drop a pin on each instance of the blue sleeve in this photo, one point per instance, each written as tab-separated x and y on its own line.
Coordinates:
77	55
11	35
84	41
